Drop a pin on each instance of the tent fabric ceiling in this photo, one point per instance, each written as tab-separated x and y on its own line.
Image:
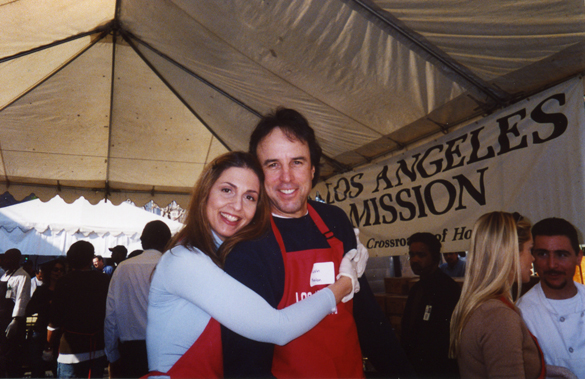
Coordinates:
130	99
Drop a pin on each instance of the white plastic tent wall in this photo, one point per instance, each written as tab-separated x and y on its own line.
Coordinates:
49	228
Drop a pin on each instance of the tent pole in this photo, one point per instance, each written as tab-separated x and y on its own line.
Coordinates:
55	72
466	78
114	41
128	37
104	29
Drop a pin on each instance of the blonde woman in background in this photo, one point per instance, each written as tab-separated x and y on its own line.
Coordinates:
489	339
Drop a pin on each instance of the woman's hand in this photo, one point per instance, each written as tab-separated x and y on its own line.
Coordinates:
347	280
349	268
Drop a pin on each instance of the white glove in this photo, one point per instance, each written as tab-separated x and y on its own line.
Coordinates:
11	329
362	254
348	267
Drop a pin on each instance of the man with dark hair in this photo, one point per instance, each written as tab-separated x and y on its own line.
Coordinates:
98	263
78	309
427	314
14	297
125	324
453	266
306	241
554	308
295	126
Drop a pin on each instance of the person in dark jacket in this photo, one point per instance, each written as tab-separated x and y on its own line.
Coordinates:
300	252
427	315
78	310
40	304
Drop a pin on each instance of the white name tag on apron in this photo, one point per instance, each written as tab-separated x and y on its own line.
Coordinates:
323	273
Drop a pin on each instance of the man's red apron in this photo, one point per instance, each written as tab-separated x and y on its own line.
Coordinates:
331	349
203	360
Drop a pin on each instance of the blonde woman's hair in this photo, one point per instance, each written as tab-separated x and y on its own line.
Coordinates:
493	265
523	228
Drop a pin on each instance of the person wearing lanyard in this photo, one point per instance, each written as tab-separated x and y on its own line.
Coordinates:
298	255
14	296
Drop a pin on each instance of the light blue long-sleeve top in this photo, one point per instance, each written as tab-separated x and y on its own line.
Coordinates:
188	288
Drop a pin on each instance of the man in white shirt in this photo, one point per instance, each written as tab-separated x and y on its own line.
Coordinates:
36	281
554	309
14	296
125	323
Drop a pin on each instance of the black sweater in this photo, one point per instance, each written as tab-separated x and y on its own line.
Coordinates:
258	264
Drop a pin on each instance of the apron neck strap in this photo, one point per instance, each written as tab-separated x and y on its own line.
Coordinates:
328	234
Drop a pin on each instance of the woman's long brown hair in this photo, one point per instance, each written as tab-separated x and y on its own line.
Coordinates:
197	231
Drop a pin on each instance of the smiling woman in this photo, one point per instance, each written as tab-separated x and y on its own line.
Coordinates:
216	188
190	294
232	201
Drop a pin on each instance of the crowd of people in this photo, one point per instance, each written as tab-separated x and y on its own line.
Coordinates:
486	329
264	282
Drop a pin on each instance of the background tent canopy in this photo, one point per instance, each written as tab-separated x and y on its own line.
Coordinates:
129	99
49	228
79	217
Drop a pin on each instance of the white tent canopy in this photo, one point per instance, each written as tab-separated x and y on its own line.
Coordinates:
129	99
49	228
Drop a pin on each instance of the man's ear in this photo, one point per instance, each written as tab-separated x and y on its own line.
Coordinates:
312	172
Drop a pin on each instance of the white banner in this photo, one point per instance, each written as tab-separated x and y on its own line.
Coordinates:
527	158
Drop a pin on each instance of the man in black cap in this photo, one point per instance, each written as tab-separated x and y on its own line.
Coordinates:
119	253
125	324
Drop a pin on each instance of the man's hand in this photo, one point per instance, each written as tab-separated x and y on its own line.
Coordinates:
12	328
348	267
362	254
